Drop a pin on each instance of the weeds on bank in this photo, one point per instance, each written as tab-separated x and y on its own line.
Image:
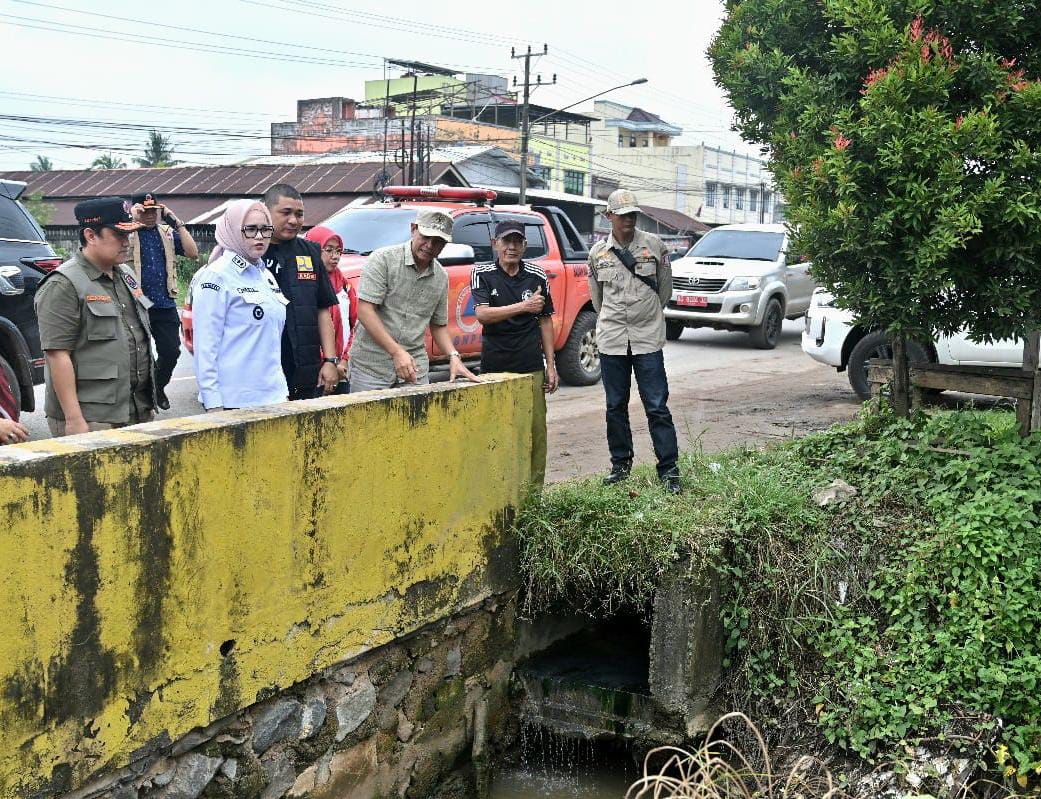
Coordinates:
910	612
734	762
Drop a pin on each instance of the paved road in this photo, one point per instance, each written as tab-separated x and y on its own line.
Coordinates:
723	393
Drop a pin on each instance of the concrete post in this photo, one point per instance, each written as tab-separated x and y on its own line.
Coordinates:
687	640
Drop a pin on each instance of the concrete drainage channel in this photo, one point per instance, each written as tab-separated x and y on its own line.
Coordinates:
436	714
618	679
591	695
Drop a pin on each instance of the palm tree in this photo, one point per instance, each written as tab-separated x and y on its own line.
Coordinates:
108	161
41	164
158	151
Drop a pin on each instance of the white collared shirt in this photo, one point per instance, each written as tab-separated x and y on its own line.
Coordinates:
238	312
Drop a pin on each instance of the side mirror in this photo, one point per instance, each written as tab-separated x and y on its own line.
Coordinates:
456	255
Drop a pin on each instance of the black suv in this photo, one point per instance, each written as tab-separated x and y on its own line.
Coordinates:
25	258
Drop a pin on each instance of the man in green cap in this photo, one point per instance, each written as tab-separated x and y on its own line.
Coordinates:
94	329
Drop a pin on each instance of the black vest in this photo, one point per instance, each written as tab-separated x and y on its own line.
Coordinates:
301	343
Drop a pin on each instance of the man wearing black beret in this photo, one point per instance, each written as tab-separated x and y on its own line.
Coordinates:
94	329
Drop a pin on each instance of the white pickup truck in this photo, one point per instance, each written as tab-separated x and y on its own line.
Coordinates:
832	336
737	277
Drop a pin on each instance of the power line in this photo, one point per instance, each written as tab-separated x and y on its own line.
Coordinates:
115	104
392	23
143	39
153	24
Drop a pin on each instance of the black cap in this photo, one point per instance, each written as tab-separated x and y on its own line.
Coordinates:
148	199
508	226
113	212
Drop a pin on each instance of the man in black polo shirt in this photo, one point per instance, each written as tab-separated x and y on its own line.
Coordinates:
296	264
513	303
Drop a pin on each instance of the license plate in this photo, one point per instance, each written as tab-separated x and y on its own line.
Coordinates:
692	300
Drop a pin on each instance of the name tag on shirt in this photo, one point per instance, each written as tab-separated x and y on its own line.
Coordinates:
306	276
304	264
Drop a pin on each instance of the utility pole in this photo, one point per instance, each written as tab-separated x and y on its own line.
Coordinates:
386	119
762	201
412	138
525	133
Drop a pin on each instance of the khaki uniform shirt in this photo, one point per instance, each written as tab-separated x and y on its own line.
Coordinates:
630	314
60	329
408	302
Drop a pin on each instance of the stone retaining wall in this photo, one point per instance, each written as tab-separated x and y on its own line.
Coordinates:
411	719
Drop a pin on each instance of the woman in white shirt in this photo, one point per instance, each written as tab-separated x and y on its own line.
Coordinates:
238	313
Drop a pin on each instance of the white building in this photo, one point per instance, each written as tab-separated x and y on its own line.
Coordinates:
633	148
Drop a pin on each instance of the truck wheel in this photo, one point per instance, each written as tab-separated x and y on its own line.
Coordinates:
673	329
765	336
578	361
876	344
12	380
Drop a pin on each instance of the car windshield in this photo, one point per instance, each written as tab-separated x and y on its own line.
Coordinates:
366	229
751	245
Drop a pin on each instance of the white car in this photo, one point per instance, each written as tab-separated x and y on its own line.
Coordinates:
737	277
832	336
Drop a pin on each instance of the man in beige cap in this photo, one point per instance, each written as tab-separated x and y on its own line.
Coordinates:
404	290
630	280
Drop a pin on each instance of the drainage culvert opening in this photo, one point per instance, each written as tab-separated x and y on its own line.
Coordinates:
592	684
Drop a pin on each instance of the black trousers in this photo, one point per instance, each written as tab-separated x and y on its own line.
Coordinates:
166	329
617	372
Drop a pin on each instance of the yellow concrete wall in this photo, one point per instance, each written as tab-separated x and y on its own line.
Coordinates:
306	533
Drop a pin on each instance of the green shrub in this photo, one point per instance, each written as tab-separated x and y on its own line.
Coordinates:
908	611
903	136
186	269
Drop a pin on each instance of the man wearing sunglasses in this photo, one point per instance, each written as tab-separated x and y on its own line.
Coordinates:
296	264
94	329
153	257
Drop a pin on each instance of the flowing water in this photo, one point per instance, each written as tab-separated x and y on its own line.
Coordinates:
525	782
557	767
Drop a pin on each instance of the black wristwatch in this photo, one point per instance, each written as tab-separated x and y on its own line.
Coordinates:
333	360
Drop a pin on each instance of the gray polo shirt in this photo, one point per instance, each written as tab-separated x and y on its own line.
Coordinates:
630	316
408	301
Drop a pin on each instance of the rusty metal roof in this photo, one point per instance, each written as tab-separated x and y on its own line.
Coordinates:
234	181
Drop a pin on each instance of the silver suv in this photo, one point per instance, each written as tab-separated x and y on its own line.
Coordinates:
737	277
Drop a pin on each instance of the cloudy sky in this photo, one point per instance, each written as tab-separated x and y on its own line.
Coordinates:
93	76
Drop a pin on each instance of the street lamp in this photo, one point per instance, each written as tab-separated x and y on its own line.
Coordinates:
636	82
526	130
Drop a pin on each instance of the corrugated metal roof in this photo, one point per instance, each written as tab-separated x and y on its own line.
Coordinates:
235	181
676	220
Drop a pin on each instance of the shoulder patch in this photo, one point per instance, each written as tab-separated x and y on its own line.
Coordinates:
239	261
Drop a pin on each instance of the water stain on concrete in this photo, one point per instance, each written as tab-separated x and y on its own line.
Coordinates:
81	679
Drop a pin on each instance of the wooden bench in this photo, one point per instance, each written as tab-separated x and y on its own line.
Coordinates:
1023	385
